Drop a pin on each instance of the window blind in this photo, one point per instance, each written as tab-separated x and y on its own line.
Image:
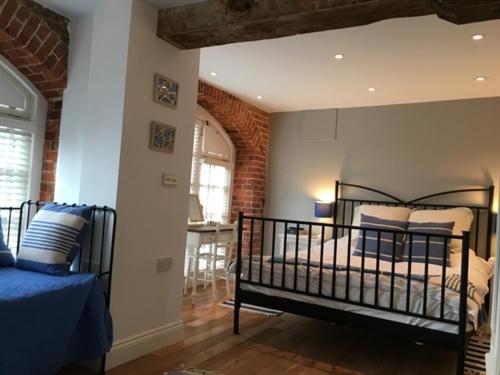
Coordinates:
214	191
210	179
15	165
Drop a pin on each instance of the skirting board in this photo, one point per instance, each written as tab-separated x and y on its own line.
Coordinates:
143	343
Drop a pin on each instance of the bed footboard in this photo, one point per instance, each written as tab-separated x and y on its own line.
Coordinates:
285	279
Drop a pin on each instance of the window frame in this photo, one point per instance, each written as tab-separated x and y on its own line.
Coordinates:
34	122
229	163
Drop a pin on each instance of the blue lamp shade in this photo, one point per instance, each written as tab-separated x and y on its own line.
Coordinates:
323	209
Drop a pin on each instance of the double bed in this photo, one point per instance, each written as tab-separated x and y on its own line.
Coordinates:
48	320
429	300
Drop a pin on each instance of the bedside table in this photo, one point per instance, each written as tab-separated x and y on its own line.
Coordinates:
290	242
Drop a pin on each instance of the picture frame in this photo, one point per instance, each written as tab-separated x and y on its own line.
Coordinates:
166	91
162	137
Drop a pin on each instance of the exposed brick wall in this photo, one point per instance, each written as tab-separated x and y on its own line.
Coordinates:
248	127
35	40
50	147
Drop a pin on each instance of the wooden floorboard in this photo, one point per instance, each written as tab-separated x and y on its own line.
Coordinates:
284	345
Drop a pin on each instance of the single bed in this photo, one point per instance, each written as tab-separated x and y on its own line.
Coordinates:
47	321
439	304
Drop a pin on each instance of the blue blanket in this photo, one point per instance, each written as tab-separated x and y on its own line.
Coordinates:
47	321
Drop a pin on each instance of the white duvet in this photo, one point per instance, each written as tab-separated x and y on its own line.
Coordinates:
480	271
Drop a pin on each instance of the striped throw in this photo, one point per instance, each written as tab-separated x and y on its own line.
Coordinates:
53	239
439	247
6	258
391	244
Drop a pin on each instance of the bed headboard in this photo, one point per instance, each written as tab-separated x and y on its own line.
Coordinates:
96	255
347	198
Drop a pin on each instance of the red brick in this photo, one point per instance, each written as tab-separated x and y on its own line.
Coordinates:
7	12
248	128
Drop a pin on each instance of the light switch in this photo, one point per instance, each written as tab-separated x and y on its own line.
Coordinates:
169	179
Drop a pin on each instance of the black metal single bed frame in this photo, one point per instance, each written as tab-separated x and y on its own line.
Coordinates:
479	237
97	252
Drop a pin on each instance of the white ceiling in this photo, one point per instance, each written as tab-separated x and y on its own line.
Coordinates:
406	60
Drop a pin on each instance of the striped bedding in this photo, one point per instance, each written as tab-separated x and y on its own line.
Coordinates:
479	274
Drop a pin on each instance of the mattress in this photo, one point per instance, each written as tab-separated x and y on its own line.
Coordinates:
480	271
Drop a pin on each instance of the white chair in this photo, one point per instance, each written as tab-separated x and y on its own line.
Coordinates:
216	257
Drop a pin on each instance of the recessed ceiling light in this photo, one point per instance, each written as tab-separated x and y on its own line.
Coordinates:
480	79
213	74
339	56
477	37
259	97
371	89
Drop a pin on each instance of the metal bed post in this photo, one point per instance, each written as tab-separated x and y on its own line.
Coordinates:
462	327
237	299
491	195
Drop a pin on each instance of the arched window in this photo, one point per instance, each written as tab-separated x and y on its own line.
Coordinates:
212	168
22	127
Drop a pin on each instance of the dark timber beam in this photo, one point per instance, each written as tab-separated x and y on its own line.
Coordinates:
217	22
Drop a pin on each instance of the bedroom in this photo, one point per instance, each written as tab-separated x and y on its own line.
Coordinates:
408	106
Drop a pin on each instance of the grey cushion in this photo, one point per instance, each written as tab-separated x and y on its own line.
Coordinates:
388	248
439	249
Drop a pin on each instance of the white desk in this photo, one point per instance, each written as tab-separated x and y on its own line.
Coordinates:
199	235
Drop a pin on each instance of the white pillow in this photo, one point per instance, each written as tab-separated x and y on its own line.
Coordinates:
461	216
382	212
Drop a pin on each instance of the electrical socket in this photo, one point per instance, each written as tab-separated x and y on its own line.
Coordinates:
164	264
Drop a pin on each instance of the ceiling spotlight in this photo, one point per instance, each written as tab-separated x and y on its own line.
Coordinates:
371	89
477	37
213	74
339	56
480	79
259	97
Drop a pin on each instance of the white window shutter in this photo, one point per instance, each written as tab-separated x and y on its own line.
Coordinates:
211	178
15	165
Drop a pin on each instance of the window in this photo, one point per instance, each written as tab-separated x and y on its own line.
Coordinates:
212	170
22	128
15	165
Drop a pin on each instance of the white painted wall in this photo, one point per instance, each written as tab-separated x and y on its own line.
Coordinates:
105	159
152	218
407	150
92	115
493	357
75	112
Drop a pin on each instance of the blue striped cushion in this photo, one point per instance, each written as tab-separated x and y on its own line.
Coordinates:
387	247
437	250
6	258
53	239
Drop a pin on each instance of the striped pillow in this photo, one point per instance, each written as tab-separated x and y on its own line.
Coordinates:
6	258
53	239
387	247
437	249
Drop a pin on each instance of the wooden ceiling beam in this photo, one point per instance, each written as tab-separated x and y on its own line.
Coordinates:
218	22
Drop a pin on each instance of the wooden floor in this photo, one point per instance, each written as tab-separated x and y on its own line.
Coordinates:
284	345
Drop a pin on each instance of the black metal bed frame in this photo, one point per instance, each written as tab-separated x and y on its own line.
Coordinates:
97	252
342	217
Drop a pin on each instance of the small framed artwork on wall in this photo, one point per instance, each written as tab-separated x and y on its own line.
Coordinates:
166	91
162	137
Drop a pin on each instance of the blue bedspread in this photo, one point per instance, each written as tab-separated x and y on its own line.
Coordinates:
47	321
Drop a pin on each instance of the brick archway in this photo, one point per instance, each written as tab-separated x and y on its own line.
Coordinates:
36	41
248	127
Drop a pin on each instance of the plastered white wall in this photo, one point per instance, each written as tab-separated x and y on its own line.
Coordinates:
153	218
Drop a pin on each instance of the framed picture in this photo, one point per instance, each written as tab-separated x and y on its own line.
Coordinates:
166	91
162	137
